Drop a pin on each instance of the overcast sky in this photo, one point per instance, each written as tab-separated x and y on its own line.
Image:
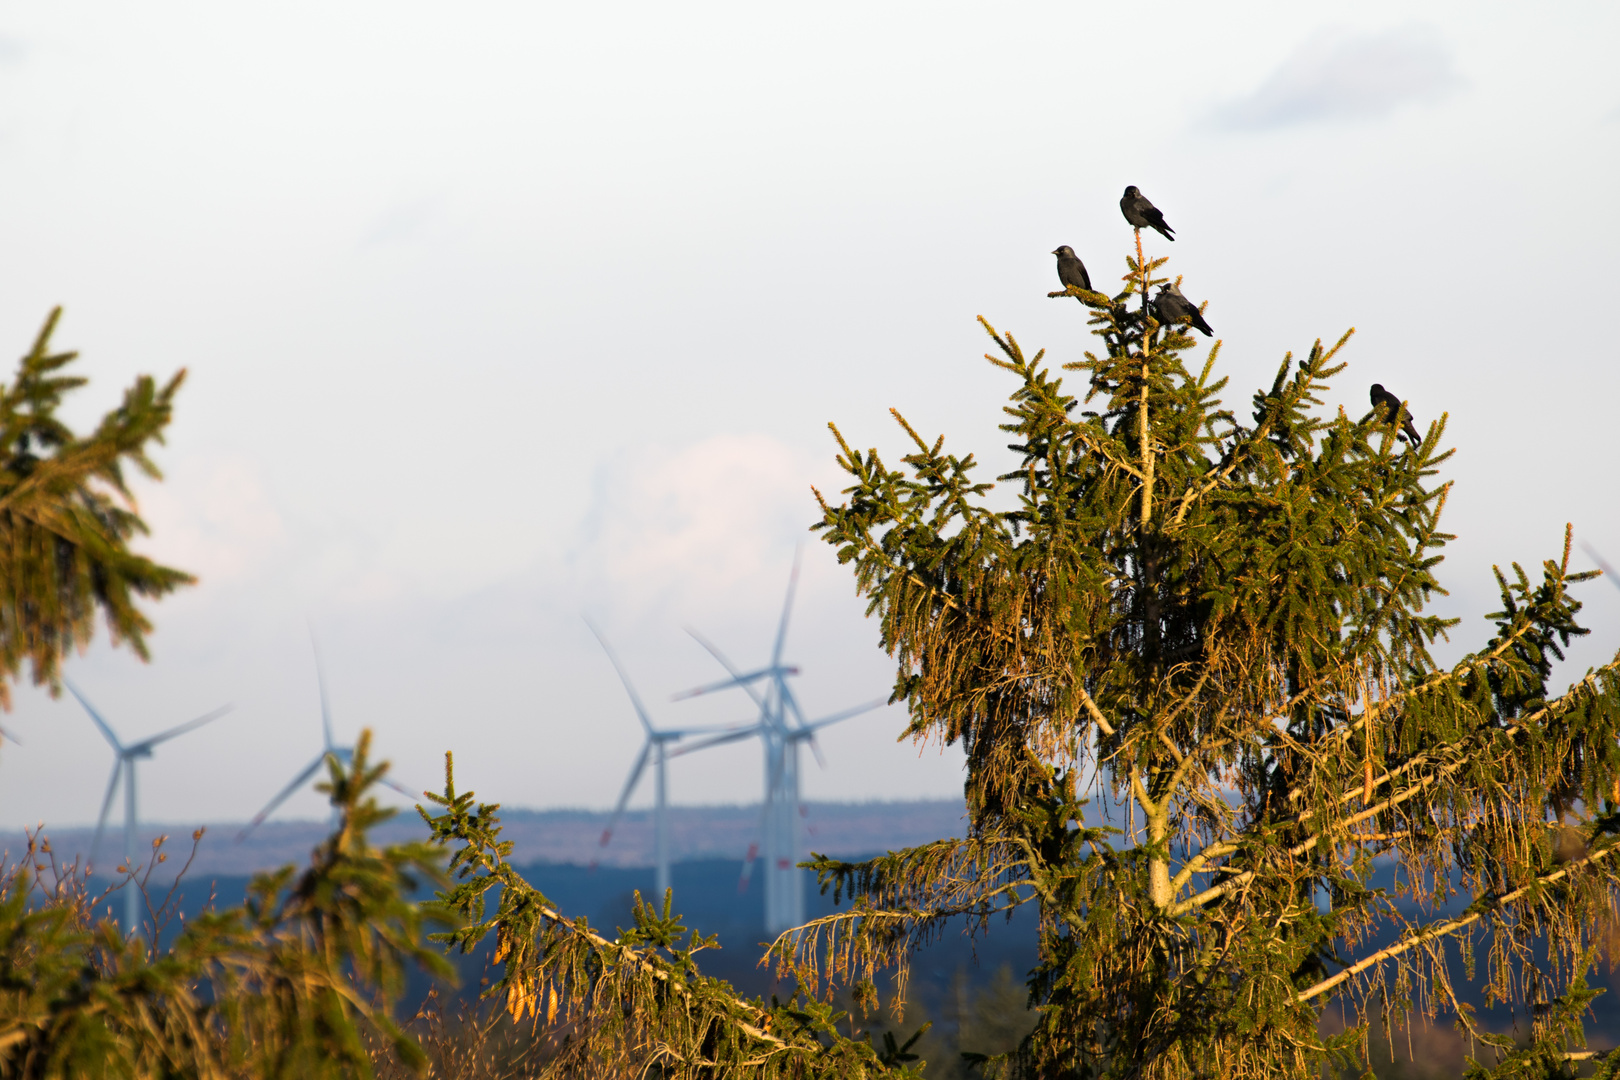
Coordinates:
495	314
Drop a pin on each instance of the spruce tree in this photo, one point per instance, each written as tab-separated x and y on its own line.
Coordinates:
1192	672
67	516
299	982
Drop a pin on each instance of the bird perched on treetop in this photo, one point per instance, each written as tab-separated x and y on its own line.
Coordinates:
1172	307
1071	271
1391	405
1143	214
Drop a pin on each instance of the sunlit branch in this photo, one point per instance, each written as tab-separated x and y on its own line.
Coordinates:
1463	757
1482	908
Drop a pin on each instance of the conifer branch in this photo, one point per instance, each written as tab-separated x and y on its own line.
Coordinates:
67	516
1240	450
1458	759
1478	910
1095	713
638	999
1469	667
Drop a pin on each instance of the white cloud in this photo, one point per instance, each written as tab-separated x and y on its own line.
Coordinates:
688	525
212	518
1335	75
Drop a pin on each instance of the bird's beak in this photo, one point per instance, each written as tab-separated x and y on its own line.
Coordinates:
1056	250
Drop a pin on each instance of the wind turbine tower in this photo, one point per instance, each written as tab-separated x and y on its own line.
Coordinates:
124	770
782	730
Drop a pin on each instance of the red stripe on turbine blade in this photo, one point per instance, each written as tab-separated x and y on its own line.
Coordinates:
607	834
784	864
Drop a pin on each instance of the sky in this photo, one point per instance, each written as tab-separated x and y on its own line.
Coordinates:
500	314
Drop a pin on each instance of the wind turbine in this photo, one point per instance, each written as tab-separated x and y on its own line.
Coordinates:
124	770
782	730
343	755
656	747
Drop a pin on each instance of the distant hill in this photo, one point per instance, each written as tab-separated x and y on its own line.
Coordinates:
547	836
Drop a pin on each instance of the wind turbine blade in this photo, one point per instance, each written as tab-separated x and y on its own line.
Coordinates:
1608	571
725	684
106	807
613	658
402	789
183	728
787	607
629	786
5	733
106	728
808	732
837	717
709	729
320	682
731	668
792	703
297	782
729	737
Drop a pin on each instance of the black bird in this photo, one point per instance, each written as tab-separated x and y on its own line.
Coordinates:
1143	214
1391	405
1172	307
1071	271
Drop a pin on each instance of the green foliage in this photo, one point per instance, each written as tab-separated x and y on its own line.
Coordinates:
287	985
636	1004
964	1024
67	516
1214	628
